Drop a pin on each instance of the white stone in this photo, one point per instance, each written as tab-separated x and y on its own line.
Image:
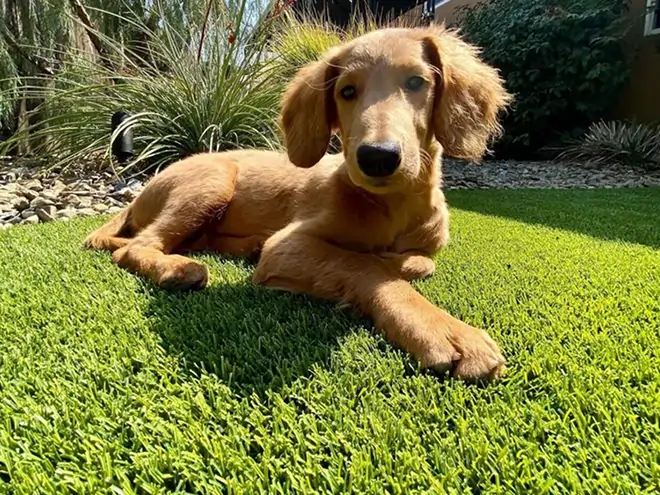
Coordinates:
66	213
40	202
20	203
87	212
32	219
33	184
47	213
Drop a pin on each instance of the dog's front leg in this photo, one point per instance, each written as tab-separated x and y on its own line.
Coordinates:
299	262
411	265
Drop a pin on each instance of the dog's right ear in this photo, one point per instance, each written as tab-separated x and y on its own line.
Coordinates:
309	113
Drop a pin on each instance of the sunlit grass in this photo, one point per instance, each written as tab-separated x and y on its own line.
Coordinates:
110	385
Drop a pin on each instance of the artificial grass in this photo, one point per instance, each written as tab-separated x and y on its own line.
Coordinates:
110	385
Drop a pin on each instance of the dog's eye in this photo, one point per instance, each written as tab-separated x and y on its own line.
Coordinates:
414	83
348	92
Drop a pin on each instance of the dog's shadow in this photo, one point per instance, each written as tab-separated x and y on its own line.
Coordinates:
253	338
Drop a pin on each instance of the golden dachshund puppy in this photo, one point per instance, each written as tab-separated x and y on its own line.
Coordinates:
354	227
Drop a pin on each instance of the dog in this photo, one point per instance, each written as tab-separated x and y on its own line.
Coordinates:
354	227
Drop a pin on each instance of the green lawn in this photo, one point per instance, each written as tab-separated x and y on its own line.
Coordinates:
110	385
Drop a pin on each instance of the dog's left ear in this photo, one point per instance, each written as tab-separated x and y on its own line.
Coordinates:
309	113
469	96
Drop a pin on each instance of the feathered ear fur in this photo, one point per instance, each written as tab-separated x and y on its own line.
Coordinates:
309	114
469	96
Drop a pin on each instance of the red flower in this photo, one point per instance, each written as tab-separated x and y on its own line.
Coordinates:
231	38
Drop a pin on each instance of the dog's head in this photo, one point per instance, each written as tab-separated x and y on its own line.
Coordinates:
390	93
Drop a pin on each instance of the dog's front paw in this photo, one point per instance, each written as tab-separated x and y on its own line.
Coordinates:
467	352
184	274
481	358
410	266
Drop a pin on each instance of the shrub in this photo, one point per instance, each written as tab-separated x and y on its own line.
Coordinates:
563	60
625	143
180	102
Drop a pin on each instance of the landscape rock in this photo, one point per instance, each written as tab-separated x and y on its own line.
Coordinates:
66	213
40	202
6	196
33	184
28	194
47	213
7	215
31	219
72	200
27	213
58	186
510	174
87	212
51	195
20	203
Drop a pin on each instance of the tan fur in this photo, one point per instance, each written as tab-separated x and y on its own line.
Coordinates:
322	227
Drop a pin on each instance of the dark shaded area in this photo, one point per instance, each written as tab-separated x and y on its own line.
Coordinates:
631	215
254	339
340	11
565	61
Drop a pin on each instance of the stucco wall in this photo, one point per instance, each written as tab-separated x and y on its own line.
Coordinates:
447	11
641	99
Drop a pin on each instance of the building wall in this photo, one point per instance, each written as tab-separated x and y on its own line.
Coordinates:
447	11
641	99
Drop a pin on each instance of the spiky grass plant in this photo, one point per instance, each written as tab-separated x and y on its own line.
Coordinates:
304	36
617	142
211	91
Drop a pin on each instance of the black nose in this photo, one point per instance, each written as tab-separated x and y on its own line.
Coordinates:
379	160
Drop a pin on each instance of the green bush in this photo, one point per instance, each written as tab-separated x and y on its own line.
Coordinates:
563	60
617	143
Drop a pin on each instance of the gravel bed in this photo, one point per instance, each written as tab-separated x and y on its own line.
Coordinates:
542	175
27	195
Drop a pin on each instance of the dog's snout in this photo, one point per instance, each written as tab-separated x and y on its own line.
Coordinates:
379	159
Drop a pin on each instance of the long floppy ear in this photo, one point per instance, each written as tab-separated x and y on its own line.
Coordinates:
309	113
469	96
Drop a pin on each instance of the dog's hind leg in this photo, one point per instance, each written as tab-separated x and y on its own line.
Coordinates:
184	201
109	236
148	255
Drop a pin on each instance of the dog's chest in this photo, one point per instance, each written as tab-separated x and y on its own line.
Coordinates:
362	222
379	230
